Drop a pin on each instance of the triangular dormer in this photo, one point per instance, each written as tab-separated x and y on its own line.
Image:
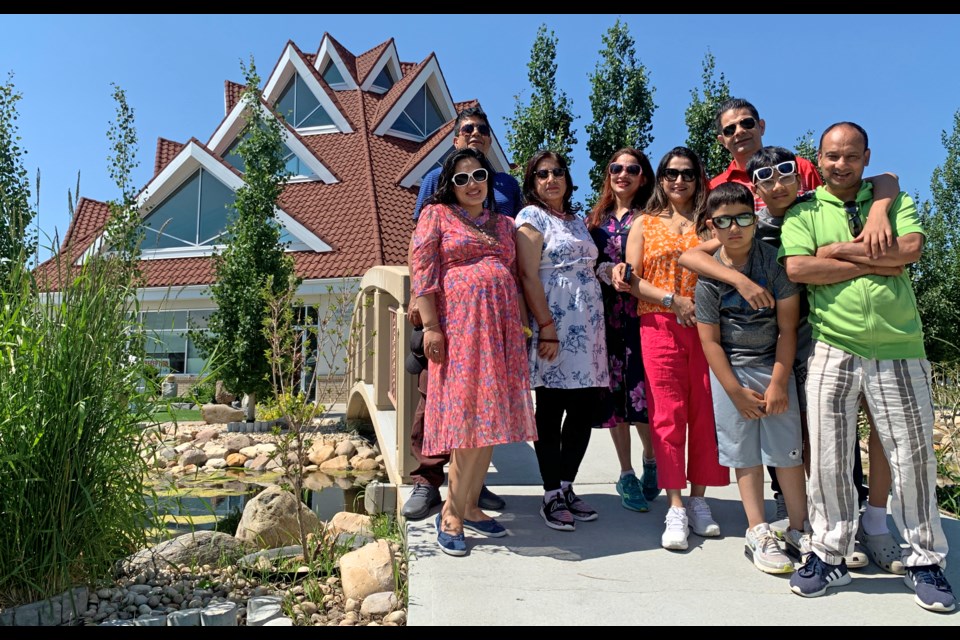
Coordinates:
418	105
296	93
379	69
335	64
302	164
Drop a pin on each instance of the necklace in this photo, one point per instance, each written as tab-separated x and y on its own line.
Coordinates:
558	214
672	220
484	225
727	262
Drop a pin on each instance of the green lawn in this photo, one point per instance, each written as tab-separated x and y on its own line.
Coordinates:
177	415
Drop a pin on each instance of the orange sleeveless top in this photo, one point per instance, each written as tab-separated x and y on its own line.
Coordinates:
661	261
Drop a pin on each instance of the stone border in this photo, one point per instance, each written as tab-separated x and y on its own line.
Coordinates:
52	612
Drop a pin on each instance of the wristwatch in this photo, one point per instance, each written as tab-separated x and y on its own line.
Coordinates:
667	300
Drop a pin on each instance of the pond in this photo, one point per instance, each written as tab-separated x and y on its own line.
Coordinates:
192	503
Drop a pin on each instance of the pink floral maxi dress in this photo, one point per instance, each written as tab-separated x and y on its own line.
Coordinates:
479	396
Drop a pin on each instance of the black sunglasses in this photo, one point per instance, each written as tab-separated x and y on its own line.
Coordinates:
616	169
468	128
670	175
743	220
461	179
543	174
852	210
746	123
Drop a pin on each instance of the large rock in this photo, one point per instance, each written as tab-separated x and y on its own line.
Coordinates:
346	522
221	395
236	460
270	519
367	571
320	453
199	547
193	456
340	463
236	442
221	414
346	448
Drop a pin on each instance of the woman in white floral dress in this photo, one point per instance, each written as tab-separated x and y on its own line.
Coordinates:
568	352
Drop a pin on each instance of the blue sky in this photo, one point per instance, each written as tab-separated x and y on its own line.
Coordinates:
892	74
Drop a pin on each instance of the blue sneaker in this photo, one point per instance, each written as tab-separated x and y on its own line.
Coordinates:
631	493
489	501
816	576
933	590
490	528
649	481
450	545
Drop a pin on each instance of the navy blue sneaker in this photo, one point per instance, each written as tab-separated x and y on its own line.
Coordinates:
651	489
450	545
490	528
489	501
816	576
933	590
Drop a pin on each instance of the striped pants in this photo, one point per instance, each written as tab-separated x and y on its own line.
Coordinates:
898	394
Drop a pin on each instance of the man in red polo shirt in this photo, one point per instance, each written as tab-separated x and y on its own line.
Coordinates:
740	131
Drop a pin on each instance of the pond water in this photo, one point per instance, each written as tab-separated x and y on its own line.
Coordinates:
193	503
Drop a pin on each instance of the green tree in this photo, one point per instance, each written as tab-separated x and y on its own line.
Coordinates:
253	256
806	147
124	232
701	115
17	243
621	102
547	121
936	276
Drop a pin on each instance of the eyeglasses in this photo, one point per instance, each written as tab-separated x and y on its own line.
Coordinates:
670	175
469	128
743	220
461	179
616	169
852	210
787	171
543	174
745	124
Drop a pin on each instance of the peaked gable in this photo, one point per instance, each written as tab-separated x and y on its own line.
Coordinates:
332	52
426	77
386	64
167	150
291	64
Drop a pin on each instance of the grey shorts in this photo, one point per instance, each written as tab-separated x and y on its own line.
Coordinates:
774	441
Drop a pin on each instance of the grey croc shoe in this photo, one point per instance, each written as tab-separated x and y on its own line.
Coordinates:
883	550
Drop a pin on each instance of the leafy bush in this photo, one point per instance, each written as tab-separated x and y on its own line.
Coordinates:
203	391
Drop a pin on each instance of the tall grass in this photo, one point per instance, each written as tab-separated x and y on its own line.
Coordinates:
71	400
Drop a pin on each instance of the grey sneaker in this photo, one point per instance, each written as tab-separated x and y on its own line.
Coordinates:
781	502
700	518
424	498
767	555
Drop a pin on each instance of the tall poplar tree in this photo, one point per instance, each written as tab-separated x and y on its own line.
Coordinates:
701	115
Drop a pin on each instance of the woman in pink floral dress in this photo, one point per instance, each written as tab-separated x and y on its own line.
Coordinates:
465	278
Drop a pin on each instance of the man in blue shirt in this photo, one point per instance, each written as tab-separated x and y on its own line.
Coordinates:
472	129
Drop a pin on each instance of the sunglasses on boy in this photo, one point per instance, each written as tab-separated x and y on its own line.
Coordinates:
852	209
616	169
461	179
743	220
687	175
469	128
543	174
746	123
787	171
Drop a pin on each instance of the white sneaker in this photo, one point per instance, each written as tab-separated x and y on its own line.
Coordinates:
798	542
675	533
701	520
767	555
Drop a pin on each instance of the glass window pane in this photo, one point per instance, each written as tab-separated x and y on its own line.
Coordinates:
215	198
306	102
384	80
317	118
177	215
200	319
153	240
232	156
285	103
332	74
405	125
433	118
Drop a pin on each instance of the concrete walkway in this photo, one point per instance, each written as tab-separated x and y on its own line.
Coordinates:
613	571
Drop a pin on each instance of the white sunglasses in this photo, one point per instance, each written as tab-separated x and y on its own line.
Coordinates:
785	169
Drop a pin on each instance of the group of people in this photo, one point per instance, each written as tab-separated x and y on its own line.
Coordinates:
737	323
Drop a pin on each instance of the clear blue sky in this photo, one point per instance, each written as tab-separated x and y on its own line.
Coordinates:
892	74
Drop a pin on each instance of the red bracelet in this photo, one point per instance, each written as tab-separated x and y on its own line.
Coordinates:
545	324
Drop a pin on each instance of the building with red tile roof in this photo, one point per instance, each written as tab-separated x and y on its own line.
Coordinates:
360	132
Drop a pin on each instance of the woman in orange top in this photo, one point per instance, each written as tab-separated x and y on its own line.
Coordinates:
677	375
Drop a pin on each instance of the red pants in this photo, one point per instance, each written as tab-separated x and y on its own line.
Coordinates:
678	399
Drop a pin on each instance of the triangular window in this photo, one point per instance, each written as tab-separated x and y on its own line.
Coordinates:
295	167
193	215
421	117
332	74
300	107
384	80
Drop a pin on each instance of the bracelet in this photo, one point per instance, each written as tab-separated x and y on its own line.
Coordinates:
548	340
546	324
428	327
528	332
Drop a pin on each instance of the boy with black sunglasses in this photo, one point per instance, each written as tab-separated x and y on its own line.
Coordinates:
751	352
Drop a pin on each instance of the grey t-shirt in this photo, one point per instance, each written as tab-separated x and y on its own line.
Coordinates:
748	336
